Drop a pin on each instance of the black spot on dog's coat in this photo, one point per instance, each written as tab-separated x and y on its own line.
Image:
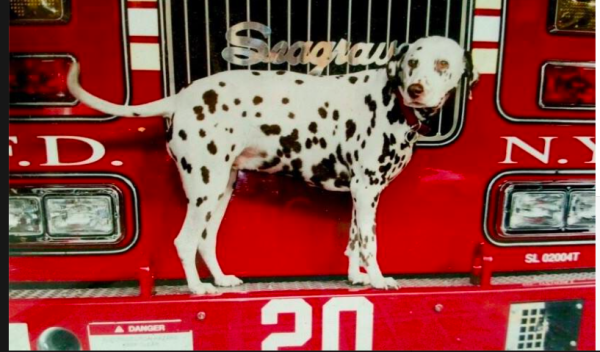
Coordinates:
257	100
258	114
205	174
204	234
308	143
336	115
244	114
236	101
285	100
322	112
208	216
299	81
350	129
212	148
202	133
225	107
199	110
290	143
291	115
269	164
324	170
352	79
280	72
270	129
210	99
256	73
222	84
395	114
323	143
187	167
199	201
366	78
312	127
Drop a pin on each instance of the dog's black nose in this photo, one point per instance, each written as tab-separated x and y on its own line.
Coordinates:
415	90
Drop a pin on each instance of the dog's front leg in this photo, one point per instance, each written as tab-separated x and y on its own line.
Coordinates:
365	206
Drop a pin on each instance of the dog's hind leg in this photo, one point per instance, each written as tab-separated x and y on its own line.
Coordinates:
208	245
186	244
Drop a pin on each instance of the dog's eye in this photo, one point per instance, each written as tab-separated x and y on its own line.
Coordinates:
412	63
441	65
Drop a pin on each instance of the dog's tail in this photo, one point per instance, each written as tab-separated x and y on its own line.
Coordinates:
163	107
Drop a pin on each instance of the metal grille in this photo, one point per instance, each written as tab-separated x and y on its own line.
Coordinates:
527	327
196	33
161	290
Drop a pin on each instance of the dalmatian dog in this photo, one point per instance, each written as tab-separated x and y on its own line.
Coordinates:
353	132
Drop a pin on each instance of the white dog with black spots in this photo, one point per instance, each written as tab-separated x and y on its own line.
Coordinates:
342	133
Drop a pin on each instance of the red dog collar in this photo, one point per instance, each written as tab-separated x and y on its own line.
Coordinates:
413	121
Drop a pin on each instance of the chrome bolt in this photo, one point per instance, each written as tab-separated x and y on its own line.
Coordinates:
201	316
579	306
573	343
438	308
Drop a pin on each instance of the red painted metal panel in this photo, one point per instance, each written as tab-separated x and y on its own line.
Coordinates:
94	36
524	56
466	318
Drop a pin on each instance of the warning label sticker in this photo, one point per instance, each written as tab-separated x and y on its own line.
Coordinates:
140	335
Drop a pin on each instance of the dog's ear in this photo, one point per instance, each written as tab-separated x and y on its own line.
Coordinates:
394	65
470	73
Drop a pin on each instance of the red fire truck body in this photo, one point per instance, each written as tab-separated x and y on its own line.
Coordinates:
443	225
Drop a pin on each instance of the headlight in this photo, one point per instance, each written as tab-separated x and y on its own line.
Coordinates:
544	210
69	215
85	215
582	210
549	209
24	216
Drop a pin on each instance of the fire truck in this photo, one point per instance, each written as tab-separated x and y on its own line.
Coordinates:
489	230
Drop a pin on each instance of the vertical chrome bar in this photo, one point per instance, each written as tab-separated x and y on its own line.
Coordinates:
206	19
389	21
439	133
349	33
187	42
308	29
328	27
369	22
169	54
447	17
427	18
289	25
268	25
248	19
227	20
407	19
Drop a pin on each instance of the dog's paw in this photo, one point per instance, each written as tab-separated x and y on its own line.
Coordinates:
359	279
385	283
228	281
202	289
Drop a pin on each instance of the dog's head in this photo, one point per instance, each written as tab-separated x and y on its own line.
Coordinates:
429	70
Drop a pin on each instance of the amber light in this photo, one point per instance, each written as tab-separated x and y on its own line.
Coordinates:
39	80
568	86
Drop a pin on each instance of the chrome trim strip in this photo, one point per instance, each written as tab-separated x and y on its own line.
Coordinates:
136	215
486	207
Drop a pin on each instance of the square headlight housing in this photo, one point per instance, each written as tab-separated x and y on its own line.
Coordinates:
67	215
549	209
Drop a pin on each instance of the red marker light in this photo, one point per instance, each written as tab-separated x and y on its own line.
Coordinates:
568	85
39	80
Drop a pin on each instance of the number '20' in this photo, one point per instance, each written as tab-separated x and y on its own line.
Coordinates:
331	322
